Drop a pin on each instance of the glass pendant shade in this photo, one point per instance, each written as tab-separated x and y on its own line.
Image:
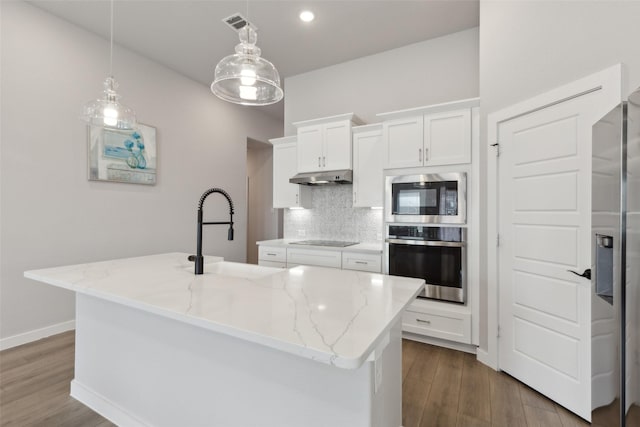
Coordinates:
246	78
108	111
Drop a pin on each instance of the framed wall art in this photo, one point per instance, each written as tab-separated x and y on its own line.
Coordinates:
128	156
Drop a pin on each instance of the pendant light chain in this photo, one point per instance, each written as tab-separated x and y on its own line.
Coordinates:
111	45
107	111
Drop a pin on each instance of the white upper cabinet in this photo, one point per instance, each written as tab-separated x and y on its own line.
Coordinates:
311	138
285	194
447	137
403	142
368	163
325	144
428	136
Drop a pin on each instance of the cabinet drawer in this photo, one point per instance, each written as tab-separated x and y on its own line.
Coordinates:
362	262
313	257
272	253
452	327
277	264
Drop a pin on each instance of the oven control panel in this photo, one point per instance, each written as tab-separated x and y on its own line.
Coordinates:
418	232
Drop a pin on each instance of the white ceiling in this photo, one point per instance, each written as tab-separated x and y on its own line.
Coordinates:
190	37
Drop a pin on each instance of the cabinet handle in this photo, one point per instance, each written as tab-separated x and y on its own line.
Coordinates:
426	154
271	254
420	154
362	262
296	198
319	161
324	161
355	196
428	322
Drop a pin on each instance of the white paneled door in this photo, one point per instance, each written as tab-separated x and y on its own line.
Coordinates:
544	228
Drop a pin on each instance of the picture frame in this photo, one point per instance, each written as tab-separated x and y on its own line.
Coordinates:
126	156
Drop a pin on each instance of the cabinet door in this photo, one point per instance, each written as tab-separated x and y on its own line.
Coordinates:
337	146
272	253
367	168
447	138
403	141
310	148
361	262
285	194
272	264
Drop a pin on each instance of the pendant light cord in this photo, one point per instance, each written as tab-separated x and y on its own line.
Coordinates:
111	45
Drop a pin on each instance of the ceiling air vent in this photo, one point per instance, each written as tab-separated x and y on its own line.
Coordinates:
236	22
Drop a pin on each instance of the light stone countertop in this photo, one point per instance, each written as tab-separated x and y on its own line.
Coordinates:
337	317
369	247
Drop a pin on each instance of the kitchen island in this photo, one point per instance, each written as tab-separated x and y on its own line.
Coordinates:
241	345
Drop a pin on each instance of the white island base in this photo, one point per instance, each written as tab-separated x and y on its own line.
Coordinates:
137	368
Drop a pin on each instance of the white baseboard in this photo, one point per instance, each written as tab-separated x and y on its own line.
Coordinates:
104	407
36	334
484	357
467	348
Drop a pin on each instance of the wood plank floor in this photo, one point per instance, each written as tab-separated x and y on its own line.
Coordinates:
441	387
34	386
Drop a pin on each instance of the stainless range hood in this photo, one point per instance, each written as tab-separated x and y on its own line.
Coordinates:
323	178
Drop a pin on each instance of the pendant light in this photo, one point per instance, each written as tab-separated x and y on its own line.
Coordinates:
107	111
246	78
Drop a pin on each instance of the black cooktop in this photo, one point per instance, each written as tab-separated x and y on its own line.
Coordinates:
333	243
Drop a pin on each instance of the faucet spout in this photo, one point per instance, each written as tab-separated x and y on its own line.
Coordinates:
198	258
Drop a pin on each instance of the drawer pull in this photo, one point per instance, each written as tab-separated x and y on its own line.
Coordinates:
271	254
362	262
428	322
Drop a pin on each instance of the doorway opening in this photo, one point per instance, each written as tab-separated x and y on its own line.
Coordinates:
263	222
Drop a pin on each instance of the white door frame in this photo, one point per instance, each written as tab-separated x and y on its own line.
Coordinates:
609	83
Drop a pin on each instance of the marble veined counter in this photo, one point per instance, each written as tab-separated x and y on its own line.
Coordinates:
337	317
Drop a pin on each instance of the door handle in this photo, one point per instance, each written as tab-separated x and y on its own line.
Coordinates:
420	154
318	161
324	161
586	274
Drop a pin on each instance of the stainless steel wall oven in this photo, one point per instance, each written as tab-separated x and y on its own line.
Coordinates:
436	254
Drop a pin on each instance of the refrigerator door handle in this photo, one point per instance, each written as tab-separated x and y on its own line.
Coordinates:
586	274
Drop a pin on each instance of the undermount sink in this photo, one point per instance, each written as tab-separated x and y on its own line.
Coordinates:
237	269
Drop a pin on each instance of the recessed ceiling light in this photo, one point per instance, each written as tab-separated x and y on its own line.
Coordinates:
307	16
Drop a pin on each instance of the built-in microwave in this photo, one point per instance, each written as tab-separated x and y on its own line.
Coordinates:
427	198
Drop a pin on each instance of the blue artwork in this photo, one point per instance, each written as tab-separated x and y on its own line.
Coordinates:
123	156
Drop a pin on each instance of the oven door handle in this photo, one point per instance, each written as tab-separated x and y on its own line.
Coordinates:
425	243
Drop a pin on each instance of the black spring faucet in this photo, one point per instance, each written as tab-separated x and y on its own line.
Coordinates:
198	258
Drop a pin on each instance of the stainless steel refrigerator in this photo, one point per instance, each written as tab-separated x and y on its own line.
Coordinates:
615	278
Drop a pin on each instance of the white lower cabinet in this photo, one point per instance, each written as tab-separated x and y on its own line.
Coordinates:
361	262
424	319
272	256
288	257
319	258
272	263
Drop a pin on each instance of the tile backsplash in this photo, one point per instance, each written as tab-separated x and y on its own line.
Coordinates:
333	217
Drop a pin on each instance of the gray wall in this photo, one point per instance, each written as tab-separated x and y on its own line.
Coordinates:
430	72
529	47
51	215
